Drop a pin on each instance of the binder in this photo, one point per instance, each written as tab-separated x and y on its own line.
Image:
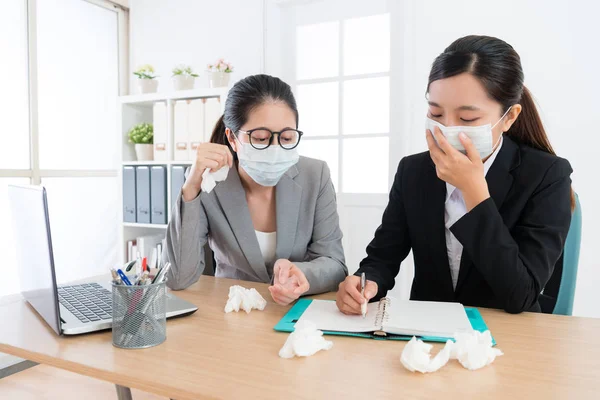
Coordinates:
129	203
158	195
286	324
180	131
177	181
212	113
143	194
196	132
159	116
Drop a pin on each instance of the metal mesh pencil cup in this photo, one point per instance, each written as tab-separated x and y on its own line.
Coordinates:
139	315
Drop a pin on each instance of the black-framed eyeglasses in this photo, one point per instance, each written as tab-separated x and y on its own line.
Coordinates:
260	138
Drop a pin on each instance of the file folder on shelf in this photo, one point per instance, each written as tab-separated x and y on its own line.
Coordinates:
158	195
159	112
180	131
129	203
196	134
143	194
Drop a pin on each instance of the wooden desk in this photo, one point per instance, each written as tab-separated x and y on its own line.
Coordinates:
216	355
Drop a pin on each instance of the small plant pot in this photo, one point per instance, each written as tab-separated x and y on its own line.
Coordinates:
148	85
183	82
218	79
144	152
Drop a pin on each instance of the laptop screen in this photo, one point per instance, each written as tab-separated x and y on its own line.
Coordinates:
31	228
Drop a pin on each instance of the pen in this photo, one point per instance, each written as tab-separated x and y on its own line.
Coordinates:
363	283
124	277
143	278
115	276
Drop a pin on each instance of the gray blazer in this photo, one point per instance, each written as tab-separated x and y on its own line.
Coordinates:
308	231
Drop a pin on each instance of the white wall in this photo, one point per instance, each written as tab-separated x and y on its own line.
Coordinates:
195	32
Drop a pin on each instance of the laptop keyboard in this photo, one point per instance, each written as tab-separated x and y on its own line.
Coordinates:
89	302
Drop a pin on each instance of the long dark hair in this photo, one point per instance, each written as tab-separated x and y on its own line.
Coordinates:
498	67
246	95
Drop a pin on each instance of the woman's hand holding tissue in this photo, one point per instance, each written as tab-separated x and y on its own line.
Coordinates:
349	299
208	156
289	282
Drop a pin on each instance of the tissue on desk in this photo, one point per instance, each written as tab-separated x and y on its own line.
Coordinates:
210	179
472	349
305	341
244	299
416	357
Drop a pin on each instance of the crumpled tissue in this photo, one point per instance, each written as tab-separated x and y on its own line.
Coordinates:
305	341
416	357
210	179
472	349
244	299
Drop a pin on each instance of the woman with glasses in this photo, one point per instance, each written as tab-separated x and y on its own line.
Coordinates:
274	218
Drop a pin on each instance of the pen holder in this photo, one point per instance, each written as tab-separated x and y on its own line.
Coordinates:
139	315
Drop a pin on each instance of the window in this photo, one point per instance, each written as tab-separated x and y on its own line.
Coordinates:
342	85
59	99
14	101
78	85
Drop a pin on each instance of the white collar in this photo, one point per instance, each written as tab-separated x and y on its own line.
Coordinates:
486	167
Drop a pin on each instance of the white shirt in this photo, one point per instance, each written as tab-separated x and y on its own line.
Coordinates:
455	210
267	243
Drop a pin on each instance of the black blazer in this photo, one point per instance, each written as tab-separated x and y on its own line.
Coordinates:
511	241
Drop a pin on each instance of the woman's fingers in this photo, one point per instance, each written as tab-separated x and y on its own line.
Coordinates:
434	150
281	295
467	143
371	290
302	283
442	142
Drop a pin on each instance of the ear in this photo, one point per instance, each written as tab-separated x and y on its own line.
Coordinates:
231	139
511	117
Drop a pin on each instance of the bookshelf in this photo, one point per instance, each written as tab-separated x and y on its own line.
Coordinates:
136	109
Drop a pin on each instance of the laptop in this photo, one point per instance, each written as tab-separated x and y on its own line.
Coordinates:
68	309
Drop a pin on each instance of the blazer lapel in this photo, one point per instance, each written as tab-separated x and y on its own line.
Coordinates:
232	197
435	199
499	180
288	197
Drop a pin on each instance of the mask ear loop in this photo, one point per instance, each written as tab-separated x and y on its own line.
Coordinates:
500	138
502	117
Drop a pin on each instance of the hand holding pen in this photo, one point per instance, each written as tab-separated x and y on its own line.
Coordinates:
349	299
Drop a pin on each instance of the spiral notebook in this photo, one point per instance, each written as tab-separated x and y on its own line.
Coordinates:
390	318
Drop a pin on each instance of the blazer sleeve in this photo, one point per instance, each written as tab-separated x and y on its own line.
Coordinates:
391	243
324	265
187	234
517	264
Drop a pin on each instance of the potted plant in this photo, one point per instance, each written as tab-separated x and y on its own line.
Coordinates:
218	73
146	79
183	77
142	135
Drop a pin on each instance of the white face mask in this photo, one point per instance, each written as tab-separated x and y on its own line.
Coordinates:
481	136
266	167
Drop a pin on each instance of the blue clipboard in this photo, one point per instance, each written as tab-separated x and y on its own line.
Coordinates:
286	324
